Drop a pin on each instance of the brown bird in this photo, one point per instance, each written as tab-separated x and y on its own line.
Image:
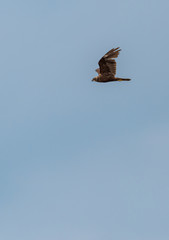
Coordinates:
107	70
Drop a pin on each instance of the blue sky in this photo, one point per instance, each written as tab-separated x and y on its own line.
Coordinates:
82	160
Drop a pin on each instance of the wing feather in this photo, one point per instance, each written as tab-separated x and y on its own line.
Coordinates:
111	65
113	53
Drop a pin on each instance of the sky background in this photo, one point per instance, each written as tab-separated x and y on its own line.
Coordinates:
81	160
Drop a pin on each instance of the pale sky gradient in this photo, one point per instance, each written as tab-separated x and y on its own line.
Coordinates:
82	160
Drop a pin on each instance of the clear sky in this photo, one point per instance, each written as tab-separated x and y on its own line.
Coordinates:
82	160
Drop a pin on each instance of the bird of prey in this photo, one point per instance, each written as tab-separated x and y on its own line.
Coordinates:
107	70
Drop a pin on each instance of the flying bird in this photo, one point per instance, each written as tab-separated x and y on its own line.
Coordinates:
107	68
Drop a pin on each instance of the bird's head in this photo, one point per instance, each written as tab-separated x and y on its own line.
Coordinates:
94	79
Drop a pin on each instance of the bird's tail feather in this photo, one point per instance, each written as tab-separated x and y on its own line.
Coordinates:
123	79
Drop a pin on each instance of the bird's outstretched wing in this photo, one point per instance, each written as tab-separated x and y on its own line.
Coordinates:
107	64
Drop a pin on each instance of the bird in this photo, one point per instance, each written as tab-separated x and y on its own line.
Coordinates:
107	68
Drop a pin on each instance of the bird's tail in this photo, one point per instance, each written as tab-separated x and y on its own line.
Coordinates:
123	79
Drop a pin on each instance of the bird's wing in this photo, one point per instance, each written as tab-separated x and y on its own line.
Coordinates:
111	63
107	64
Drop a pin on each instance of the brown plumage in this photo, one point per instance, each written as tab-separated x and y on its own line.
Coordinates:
107	70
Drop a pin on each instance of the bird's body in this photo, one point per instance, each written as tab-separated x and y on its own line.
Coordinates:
107	70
